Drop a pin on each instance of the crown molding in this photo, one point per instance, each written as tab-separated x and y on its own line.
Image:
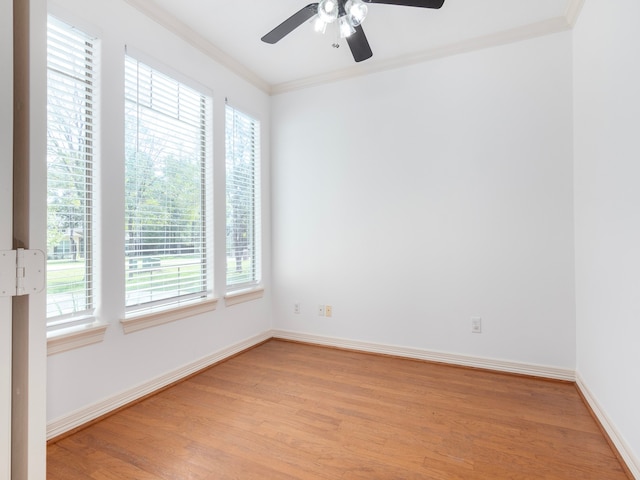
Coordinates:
538	29
572	12
174	25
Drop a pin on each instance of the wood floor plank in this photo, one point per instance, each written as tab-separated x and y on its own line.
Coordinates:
292	411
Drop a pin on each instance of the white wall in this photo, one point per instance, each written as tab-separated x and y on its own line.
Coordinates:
85	376
414	199
607	224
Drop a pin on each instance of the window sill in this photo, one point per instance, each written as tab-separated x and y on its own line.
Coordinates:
241	296
75	337
147	320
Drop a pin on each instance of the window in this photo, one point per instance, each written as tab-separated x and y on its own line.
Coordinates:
72	95
167	144
243	200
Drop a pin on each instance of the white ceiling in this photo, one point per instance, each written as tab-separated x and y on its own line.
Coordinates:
230	31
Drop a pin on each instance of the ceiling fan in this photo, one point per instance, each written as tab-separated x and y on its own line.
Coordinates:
349	14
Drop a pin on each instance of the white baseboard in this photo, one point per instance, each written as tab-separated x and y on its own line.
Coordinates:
440	357
85	415
478	362
632	462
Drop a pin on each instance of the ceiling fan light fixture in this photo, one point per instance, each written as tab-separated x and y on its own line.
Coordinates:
346	29
349	15
328	10
356	11
319	25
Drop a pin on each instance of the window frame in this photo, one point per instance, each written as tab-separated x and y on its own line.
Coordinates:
78	328
239	292
148	314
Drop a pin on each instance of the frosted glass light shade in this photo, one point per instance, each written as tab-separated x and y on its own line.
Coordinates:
356	11
346	29
319	25
328	10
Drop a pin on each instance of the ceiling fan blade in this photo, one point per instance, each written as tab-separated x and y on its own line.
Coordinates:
359	45
410	3
291	23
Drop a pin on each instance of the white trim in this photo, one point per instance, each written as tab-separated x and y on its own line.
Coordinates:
70	17
85	415
440	357
625	451
198	41
151	319
6	227
75	337
539	29
241	296
545	27
572	12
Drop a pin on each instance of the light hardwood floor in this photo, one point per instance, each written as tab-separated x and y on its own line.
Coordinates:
291	411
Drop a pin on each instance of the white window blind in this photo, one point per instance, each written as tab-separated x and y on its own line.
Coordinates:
166	148
243	199
72	94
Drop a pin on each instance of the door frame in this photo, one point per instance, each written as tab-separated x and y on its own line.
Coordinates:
6	223
29	340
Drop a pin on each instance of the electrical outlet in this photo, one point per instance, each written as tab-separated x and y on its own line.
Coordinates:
328	310
296	308
321	310
476	325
